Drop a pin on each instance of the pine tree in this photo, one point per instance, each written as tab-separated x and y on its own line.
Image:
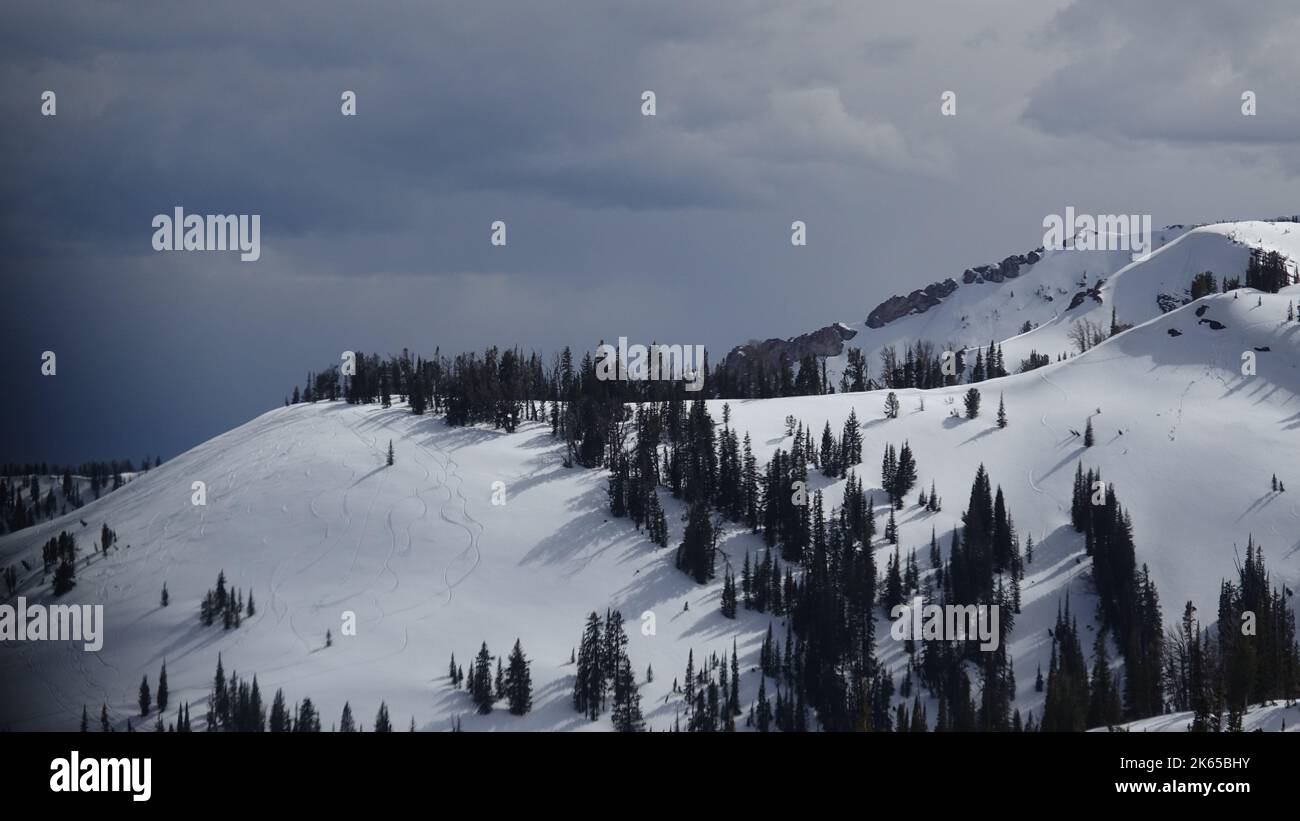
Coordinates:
763	715
85	719
518	682
165	598
1002	412
972	402
145	699
162	689
695	555
626	711
279	716
347	724
729	595
390	453
1087	434
1104	705
482	678
589	682
382	724
892	405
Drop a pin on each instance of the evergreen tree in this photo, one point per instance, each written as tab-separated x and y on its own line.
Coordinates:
1104	705
382	723
279	715
626	710
518	682
728	595
145	699
892	405
482	681
695	555
162	689
589	683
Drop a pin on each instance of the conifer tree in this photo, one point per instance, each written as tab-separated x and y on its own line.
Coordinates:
382	723
161	697
728	595
279	715
589	682
482	681
626	711
145	699
518	682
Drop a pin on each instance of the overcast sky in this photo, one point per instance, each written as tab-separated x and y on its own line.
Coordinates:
676	228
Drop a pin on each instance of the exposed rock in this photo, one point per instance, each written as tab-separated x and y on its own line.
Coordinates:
921	301
1008	268
823	342
1168	302
1094	292
1174	332
917	302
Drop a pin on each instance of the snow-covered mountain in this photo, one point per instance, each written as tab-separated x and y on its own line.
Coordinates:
1052	289
302	512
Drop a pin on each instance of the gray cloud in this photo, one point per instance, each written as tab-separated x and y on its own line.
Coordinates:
1174	72
675	227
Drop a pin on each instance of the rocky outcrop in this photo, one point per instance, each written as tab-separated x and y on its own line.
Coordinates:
1094	292
823	342
1008	268
917	302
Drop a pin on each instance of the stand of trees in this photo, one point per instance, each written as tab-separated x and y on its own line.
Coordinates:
604	674
25	499
1267	271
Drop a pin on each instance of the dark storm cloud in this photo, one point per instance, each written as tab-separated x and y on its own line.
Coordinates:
676	227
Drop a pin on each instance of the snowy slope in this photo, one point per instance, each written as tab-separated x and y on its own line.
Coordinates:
302	512
978	313
1267	718
1200	443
